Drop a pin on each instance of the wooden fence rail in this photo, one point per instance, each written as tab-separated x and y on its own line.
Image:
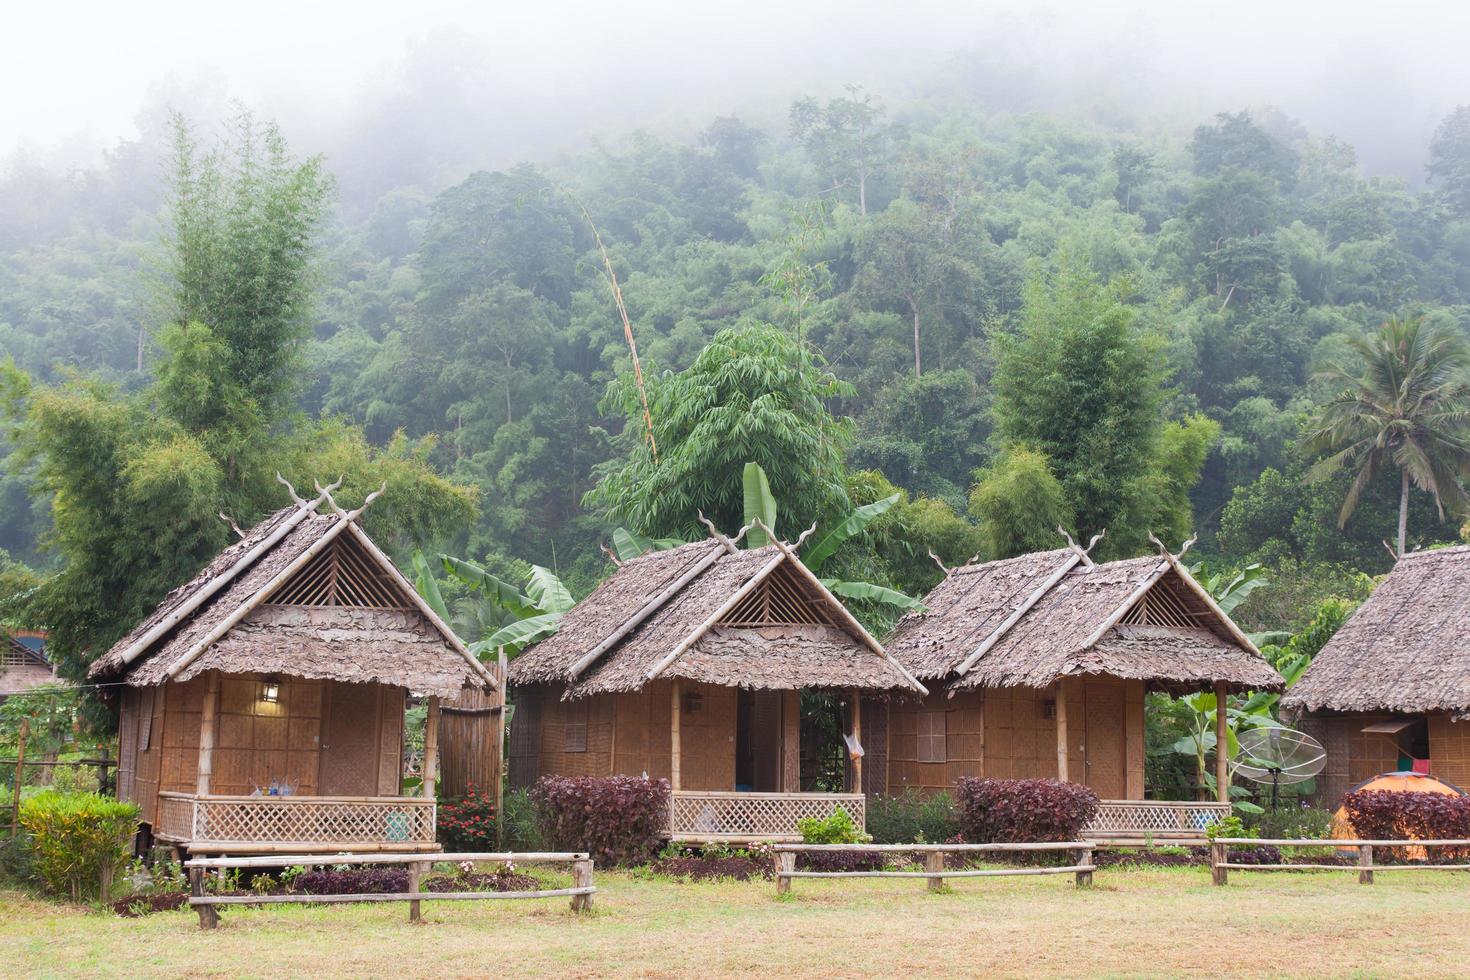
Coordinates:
419	865
1079	855
1220	864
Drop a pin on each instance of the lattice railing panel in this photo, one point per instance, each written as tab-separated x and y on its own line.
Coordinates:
1155	816
175	818
307	820
755	815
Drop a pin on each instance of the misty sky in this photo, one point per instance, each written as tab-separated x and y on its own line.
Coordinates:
75	75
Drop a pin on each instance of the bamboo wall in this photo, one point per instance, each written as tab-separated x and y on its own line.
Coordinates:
630	734
1449	749
1010	733
470	743
322	737
1354	755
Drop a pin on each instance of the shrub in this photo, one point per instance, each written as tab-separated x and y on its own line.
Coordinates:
1381	815
1022	810
912	818
522	832
1231	826
77	842
837	828
618	819
372	880
468	824
1292	823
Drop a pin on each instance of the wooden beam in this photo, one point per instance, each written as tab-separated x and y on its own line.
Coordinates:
431	748
498	695
1209	600
1222	743
715	617
206	735
1062	729
1021	610
675	711
857	737
790	741
649	608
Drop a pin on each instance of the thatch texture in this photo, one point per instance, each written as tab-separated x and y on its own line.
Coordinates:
399	647
1406	649
1057	636
769	656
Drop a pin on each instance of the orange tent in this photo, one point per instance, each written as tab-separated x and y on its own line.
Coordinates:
1391	782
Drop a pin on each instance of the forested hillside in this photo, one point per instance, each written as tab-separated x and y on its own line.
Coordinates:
1026	319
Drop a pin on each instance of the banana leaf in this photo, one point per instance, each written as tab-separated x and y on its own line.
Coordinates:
627	545
875	593
851	524
496	589
518	635
426	586
759	504
547	591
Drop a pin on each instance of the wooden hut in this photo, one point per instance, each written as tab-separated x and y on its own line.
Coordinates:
688	664
1040	664
1391	690
262	703
23	662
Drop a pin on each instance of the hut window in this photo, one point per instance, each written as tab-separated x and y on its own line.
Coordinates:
574	730
932	745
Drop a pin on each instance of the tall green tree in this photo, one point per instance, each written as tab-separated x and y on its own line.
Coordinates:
752	395
1020	504
1449	161
1409	409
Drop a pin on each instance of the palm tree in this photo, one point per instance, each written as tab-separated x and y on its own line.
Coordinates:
1409	408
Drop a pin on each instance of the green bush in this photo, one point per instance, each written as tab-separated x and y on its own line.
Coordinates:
912	818
1292	823
77	842
1231	826
835	829
520	828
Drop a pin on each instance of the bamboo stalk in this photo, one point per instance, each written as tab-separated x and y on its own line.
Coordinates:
456	857
206	735
431	747
1222	743
307	899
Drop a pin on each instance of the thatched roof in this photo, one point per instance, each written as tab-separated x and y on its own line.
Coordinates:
1025	622
1406	649
304	594
704	612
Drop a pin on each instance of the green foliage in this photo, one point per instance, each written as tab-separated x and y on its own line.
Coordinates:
505	616
752	395
837	828
77	842
1231	826
1019	503
521	830
912	818
1288	822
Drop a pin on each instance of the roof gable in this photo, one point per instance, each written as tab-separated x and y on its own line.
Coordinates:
708	611
1406	649
1029	620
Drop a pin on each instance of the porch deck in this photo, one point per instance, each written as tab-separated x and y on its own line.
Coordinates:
295	824
709	816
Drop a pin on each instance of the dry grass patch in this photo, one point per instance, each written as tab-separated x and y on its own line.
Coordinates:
1134	922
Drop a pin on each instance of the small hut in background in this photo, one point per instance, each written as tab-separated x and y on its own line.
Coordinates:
1040	665
262	703
23	662
1391	690
689	664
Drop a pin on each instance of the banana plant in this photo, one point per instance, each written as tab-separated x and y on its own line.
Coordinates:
761	504
506	616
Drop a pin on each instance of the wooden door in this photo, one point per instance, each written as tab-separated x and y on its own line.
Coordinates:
1105	766
350	741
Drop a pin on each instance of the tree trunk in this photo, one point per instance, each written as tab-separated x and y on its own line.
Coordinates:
914	309
1403	509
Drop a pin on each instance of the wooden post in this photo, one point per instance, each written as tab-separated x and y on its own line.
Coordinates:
414	871
582	878
499	695
20	763
208	914
1218	874
1082	855
1365	864
1062	729
785	864
431	747
934	864
206	736
1222	743
675	710
857	737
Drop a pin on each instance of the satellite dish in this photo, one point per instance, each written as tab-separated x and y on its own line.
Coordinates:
1279	756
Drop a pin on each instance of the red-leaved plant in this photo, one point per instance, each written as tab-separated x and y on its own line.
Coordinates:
1022	810
1381	815
468	824
618	819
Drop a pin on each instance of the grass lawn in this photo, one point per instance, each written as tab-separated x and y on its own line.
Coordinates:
1133	922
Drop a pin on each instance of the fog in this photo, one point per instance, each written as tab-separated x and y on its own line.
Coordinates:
431	89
